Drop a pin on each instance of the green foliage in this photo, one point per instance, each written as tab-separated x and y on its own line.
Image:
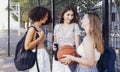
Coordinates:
85	6
26	5
117	2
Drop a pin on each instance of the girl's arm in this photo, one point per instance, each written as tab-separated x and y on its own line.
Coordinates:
29	42
89	53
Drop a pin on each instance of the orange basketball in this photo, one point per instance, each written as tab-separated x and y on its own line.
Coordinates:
66	50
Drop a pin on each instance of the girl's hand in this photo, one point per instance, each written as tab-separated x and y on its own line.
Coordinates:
66	59
41	36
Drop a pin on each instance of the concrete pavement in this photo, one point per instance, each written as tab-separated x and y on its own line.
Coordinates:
6	63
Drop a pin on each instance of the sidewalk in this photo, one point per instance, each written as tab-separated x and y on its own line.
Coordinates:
7	63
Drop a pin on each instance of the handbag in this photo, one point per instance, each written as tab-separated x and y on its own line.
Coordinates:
25	59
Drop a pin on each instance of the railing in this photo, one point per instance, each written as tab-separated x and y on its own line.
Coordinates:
114	32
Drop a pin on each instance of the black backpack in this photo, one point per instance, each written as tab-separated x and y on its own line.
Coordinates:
106	62
25	59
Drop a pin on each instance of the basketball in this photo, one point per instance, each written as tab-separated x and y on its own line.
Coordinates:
66	50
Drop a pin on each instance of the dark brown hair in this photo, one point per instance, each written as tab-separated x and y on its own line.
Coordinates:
67	8
38	13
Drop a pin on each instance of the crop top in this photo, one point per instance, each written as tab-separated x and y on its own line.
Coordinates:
81	52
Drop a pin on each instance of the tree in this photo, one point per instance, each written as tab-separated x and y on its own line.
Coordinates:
117	2
84	5
25	6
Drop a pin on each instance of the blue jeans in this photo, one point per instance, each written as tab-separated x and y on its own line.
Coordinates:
73	66
86	69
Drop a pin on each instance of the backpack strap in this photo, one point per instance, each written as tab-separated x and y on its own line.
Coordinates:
34	28
36	35
36	49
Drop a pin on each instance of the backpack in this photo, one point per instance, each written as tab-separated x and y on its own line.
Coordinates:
107	61
24	59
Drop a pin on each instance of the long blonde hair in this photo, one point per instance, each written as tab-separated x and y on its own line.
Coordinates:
95	31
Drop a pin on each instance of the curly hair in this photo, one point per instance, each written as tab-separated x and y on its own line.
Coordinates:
39	13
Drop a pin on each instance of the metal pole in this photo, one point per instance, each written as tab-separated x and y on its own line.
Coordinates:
53	13
8	27
18	17
38	2
105	26
52	9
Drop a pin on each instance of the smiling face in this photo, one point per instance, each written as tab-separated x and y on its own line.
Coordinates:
68	16
85	22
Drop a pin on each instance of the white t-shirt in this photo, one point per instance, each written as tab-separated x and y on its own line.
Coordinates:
66	34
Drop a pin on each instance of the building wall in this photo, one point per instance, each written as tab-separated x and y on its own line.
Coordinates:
4	17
